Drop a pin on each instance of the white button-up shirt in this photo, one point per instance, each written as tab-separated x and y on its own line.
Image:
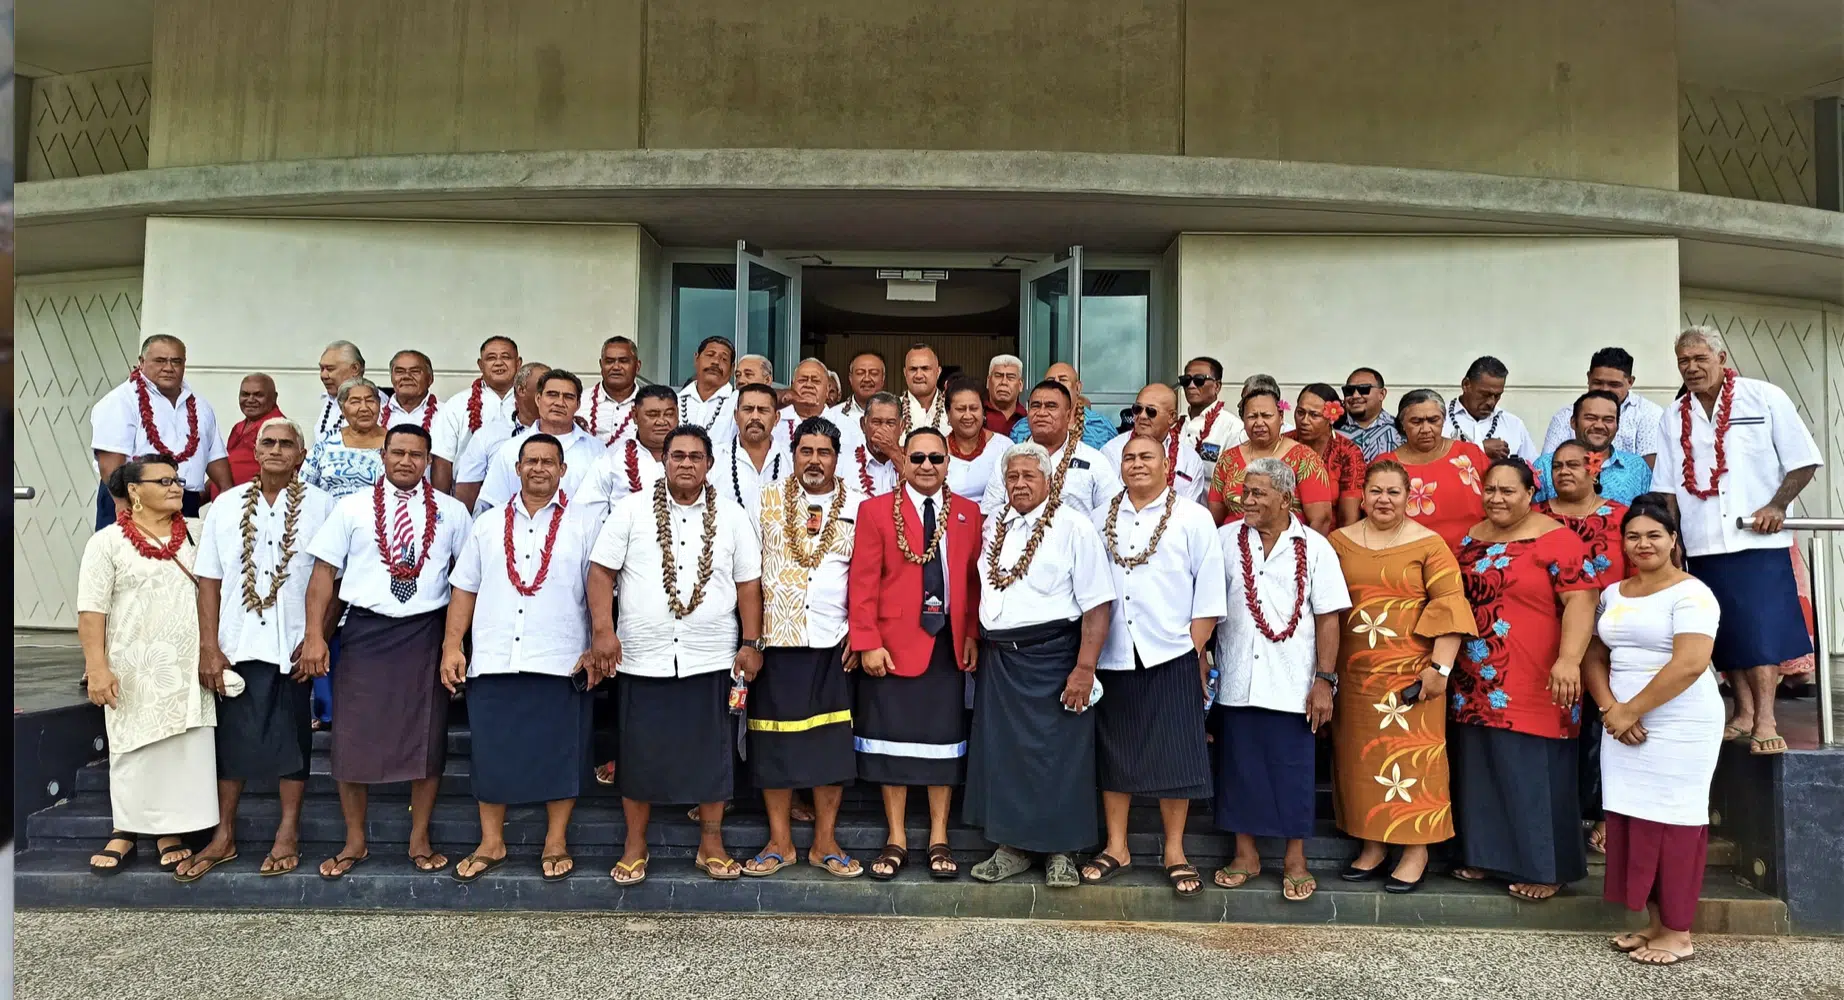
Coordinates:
919	414
1155	602
1090	483
1500	423
738	480
610	418
915	499
789	419
1068	576
115	426
580	451
610	478
1225	429
716	415
824	600
859	467
1256	673
390	414
450	433
348	542
1638	433
478	455
653	642
1191	480
1766	441
969	477
269	636
547	632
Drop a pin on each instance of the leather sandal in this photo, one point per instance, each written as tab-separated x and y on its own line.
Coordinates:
1106	869
893	857
938	853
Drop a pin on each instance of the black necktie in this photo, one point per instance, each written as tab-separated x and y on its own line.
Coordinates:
934	614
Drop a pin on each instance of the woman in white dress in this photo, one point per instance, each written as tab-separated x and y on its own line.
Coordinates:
973	451
137	617
350	457
1649	671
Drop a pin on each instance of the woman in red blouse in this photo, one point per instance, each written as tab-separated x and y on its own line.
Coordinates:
1313	418
1261	419
1516	692
1444	474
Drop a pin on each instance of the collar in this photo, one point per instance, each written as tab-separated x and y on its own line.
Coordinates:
255	423
1157	503
673	501
1013	517
1015	411
1349	421
871	459
1294	529
917	496
566	439
690	392
632	391
518	504
409	494
1056	454
153	391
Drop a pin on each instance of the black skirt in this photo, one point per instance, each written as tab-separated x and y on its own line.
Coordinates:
678	738
800	720
530	735
389	699
264	733
1515	806
913	730
1149	731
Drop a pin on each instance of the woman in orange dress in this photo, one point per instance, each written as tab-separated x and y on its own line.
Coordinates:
1408	616
1444	474
1261	419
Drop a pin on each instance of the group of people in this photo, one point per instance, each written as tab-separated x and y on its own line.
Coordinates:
955	584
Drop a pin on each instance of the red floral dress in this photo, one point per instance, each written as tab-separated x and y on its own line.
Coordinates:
1515	589
1445	494
1600	531
1312	484
1344	462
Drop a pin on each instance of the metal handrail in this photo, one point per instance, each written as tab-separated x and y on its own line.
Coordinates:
24	493
1819	565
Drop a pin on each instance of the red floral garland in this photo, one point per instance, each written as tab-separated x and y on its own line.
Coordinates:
1171	459
633	466
544	557
137	538
1725	404
1252	598
404	571
473	405
1216	410
595	415
975	453
864	474
153	432
428	412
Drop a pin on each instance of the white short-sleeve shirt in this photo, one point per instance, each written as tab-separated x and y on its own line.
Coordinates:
1638	431
606	417
115	426
1225	428
860	468
1068	576
269	636
1500	423
1256	673
547	632
450	433
348	542
1088	486
1766	441
580	451
1191	478
1155	602
624	468
716	415
739	481
477	456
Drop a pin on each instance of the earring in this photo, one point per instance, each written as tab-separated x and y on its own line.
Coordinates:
137	507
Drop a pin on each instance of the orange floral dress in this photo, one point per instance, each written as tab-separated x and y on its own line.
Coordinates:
1446	495
1389	770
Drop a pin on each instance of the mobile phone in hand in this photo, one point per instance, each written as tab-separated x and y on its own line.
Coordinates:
1411	694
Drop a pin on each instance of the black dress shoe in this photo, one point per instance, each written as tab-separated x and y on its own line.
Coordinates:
1353	873
1401	888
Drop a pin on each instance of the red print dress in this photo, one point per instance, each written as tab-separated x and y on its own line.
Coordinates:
1600	531
1444	495
1515	589
1344	463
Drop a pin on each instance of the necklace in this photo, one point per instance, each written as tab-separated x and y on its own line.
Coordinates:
1725	406
1001	579
330	410
1453	417
669	564
864	473
1152	544
404	570
1210	420
153	433
934	544
428	411
296	491
596	396
1253	599
1062	466
736	484
633	466
790	535
544	556
969	456
473	405
142	542
1171	459
935	409
1395	537
685	409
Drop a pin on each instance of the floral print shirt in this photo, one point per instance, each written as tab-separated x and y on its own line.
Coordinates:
1515	589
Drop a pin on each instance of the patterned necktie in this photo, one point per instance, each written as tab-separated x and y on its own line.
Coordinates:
934	614
402	534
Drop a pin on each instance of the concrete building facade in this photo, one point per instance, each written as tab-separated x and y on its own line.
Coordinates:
1293	188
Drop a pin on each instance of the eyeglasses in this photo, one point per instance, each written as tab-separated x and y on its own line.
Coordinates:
1195	381
165	481
1149	412
917	458
1358	390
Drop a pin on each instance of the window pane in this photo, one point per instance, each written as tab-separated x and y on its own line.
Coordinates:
703	305
1115	310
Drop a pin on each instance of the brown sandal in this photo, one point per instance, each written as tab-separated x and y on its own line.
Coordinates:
893	856
939	853
1179	874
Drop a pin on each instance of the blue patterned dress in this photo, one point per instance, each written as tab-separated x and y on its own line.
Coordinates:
339	469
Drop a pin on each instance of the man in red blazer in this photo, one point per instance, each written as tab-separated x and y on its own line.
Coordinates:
914	607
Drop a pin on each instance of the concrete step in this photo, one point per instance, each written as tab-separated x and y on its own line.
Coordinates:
45	878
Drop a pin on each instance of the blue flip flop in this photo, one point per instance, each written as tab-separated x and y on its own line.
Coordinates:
762	859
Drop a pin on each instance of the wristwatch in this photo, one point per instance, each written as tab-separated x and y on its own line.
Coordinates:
756	644
1329	678
1444	670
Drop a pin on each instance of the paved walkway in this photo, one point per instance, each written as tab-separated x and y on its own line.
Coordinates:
129	956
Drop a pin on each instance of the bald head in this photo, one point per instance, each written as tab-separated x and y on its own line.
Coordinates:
256	395
1065	373
921	371
1155	410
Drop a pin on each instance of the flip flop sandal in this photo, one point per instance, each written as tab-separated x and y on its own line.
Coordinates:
1676	957
210	863
605	773
1530	898
173	865
1309	883
418	859
349	863
626	874
892	855
1232	873
122	858
766	866
1761	748
1734	734
1178	874
692	813
490	863
719	868
1476	876
838	866
1106	869
550	859
942	852
272	865
1614	942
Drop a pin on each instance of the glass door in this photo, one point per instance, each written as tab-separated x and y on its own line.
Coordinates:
1050	322
767	308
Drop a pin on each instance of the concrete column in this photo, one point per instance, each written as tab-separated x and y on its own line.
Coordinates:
1828	157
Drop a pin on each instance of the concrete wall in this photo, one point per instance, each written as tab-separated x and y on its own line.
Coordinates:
1421	308
82	124
266	295
1743	145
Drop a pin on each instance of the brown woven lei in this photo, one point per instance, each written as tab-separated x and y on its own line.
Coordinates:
669	564
1004	578
790	531
297	494
941	528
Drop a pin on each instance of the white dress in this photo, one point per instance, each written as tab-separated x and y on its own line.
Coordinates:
163	765
1665	779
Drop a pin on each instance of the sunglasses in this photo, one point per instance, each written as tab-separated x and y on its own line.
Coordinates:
1149	412
1359	390
165	481
918	458
1195	381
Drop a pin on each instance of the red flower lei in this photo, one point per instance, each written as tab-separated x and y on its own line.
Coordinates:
595	417
633	466
404	571
473	405
1171	459
544	557
955	452
428	412
1725	404
137	538
1250	596
864	474
153	433
1216	410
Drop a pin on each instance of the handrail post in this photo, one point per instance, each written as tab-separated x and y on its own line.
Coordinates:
1821	619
